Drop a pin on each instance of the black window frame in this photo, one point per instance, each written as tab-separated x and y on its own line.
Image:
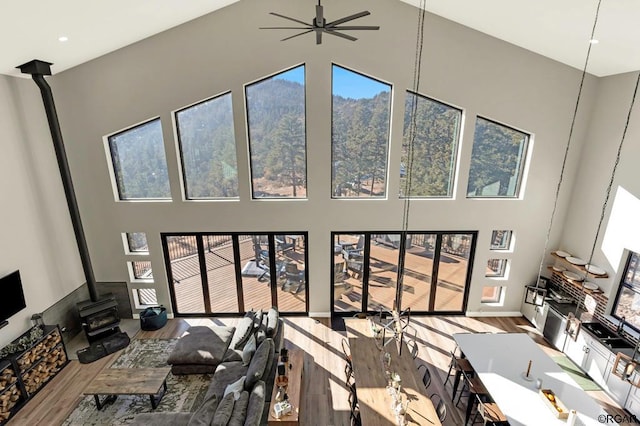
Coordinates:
625	285
403	238
522	166
248	130
183	171
238	271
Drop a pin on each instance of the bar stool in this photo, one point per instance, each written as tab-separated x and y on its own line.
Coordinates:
489	412
475	391
458	365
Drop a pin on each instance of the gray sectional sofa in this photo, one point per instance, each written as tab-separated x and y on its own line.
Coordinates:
244	356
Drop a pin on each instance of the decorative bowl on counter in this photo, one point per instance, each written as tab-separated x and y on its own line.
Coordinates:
555	405
562	253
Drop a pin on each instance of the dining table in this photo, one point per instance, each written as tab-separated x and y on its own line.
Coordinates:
502	360
374	399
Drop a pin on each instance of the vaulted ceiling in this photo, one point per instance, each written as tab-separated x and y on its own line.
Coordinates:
558	30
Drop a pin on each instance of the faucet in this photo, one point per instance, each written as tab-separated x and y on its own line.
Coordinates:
620	325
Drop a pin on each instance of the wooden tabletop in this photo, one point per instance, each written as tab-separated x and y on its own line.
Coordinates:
127	381
373	398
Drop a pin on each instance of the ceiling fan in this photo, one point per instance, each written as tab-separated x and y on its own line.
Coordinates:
320	25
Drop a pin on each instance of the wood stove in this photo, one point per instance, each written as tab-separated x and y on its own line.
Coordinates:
100	318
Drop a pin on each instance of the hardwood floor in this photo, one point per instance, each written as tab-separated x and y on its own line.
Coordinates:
325	402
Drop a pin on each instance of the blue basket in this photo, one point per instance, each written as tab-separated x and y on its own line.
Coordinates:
153	318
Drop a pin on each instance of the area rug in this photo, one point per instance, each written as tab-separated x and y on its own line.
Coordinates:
576	373
184	393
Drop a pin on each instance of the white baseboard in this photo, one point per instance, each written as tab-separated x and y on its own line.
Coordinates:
137	316
320	314
494	314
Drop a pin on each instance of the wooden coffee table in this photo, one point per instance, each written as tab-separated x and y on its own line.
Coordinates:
128	381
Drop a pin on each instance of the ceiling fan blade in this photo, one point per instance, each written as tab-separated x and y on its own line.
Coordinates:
356	27
296	35
289	18
319	16
335	33
286	28
318	37
348	18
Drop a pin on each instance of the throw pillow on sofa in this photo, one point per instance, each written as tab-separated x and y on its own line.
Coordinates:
257	397
244	329
248	350
203	415
224	410
235	388
272	321
258	364
239	410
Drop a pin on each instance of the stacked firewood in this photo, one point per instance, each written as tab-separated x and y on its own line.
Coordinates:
9	392
33	355
44	370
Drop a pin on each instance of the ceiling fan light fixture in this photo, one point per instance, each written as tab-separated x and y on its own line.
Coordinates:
319	25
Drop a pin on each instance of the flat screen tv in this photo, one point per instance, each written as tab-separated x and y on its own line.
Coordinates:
11	296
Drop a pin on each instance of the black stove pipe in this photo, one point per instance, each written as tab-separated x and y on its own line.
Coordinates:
38	69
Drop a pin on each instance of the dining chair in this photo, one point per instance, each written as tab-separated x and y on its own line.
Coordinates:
489	413
354	415
413	348
348	368
426	376
474	390
457	365
440	406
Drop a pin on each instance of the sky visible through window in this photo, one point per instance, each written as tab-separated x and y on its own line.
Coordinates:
349	84
346	83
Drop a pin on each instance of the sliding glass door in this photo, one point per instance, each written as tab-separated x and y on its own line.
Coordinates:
435	279
218	274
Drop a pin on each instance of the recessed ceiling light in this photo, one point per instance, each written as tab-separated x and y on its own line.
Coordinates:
63	39
594	41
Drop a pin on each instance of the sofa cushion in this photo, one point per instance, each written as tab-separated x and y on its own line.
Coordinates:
235	388
256	404
227	372
204	414
257	319
271	360
258	364
202	345
248	350
224	410
272	321
162	419
242	333
239	410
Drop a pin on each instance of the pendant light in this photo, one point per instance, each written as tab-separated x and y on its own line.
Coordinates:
535	294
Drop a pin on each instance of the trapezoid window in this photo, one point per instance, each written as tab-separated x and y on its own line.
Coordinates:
277	135
208	149
361	115
429	148
139	162
497	160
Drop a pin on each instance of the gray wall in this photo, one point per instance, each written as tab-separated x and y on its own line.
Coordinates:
620	227
226	50
36	236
